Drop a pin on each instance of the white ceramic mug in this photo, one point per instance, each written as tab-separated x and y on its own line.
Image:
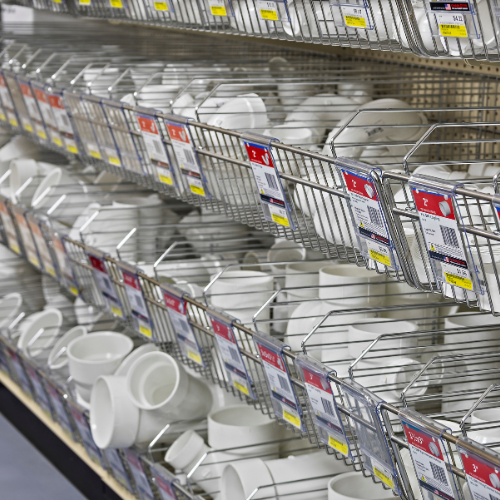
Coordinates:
41	332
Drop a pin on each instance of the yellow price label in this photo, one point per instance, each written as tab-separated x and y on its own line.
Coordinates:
218	11
145	331
34	261
241	388
269	15
42	134
338	445
13	122
197	190
28	127
95	154
3	117
194	356
57	141
57	1
72	149
116	4
355	22
117	311
114	160
453	279
379	257
15	248
385	479
84	2
454	30
282	221
294	420
51	271
73	290
165	180
161	6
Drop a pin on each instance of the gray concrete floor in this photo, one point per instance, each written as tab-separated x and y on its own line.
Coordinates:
26	474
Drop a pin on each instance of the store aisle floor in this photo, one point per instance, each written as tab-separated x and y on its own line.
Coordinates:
26	473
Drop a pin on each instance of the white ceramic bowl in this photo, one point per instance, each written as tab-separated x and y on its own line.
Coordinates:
94	355
42	192
50	320
485	426
353	486
10	307
127	363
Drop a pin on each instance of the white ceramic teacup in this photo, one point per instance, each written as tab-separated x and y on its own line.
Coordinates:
40	332
94	355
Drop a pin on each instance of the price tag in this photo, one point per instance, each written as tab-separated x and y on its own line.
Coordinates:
26	237
325	412
272	195
483	477
44	106
106	285
9	228
156	148
59	406
218	7
5	95
428	456
137	302
231	354
283	398
60	114
3	116
47	263
39	390
268	10
368	217
84	2
29	101
177	312
372	441
21	376
450	17
12	119
442	238
83	427
187	159
66	271
137	470
118	469
355	16
116	4
164	481
161	6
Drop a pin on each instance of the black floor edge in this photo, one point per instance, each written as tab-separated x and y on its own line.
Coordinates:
62	457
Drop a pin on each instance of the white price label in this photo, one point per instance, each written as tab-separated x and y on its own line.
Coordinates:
64	264
45	109
114	460
43	250
29	101
177	312
70	145
152	139
164	175
5	95
86	435
27	238
141	481
112	156
106	286
483	478
60	114
26	123
55	137
140	312
355	16
442	238
267	10
428	461
280	385
230	352
40	131
58	405
9	228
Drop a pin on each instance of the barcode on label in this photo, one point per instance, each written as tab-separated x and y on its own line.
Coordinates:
493	497
283	383
375	217
327	406
189	157
234	354
157	146
65	120
271	182
107	284
439	473
449	236
139	301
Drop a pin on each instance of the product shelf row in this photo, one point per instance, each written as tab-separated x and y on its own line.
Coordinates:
464	30
371	429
